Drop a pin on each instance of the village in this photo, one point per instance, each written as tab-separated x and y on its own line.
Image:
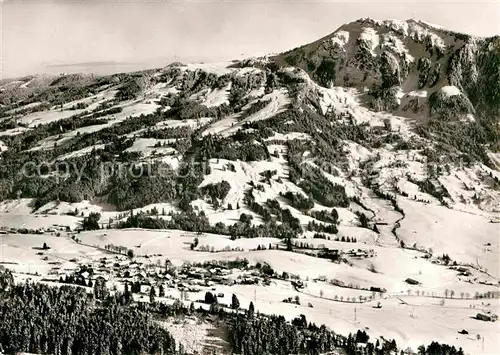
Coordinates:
141	274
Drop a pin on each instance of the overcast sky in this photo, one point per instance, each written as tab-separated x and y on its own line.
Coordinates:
45	36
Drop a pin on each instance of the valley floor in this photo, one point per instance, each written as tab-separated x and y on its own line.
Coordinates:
404	314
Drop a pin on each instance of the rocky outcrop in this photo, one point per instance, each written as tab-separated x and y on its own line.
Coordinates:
411	68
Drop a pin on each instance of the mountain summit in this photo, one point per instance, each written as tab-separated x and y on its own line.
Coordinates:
399	60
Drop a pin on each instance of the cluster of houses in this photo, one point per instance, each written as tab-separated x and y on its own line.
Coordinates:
487	317
361	253
120	269
54	229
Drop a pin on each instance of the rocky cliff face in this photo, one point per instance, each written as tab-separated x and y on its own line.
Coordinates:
405	64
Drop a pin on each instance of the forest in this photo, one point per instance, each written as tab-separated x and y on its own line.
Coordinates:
68	320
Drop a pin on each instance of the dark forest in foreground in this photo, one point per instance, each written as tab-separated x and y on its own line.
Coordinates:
67	320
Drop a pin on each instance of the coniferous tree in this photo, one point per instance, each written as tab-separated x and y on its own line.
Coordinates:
251	309
152	294
235	302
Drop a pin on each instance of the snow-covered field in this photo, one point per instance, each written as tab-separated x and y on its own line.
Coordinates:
129	109
19	252
450	90
13	131
221	125
188	123
279	101
288	136
45	117
18	214
193	334
229	125
55	114
146	146
465	237
23	107
217	97
415	323
81	152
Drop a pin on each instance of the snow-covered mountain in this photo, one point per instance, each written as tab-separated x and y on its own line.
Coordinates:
384	134
409	66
